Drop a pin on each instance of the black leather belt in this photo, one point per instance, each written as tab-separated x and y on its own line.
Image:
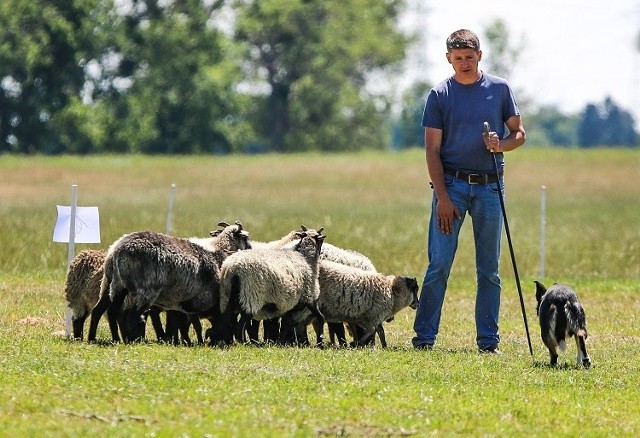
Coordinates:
473	178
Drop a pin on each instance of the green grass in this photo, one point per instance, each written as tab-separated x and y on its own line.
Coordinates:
376	203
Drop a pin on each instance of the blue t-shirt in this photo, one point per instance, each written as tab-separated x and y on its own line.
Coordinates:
460	112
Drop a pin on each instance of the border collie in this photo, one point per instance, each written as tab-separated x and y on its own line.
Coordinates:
561	316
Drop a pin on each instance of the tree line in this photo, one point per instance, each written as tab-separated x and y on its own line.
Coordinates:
216	76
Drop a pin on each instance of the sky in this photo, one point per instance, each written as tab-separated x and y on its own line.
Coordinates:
575	52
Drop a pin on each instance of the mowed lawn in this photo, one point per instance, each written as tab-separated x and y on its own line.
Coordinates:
376	203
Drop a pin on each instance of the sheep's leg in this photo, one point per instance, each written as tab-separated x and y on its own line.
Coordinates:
194	320
365	338
337	333
381	335
170	328
271	329
96	313
183	327
135	325
318	328
315	310
78	326
113	314
156	322
223	328
287	335
253	328
242	327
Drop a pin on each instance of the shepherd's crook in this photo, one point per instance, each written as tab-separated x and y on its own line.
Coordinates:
487	129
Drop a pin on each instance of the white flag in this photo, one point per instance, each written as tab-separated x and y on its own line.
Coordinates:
87	228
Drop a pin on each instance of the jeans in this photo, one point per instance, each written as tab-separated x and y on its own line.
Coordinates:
482	203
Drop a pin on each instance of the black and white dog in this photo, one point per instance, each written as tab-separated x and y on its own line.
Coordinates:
561	316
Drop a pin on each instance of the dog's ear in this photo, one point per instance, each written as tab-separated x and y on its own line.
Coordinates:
540	291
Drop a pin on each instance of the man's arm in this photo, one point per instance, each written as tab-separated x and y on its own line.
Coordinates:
445	209
516	138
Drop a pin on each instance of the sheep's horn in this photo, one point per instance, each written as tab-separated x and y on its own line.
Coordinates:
303	228
223	224
239	224
320	230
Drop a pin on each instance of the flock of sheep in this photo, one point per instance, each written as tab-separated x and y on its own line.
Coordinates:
234	283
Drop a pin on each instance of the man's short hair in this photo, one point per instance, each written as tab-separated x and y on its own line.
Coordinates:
463	39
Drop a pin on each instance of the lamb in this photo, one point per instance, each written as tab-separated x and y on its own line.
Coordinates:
267	283
362	298
148	268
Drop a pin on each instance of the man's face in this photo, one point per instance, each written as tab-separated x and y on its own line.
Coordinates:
464	61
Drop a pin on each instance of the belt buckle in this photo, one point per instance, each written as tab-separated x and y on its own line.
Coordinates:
473	178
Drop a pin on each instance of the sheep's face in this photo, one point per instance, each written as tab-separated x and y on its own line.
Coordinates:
412	285
310	241
236	235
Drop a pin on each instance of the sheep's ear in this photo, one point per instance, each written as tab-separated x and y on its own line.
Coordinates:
320	230
223	224
214	233
303	228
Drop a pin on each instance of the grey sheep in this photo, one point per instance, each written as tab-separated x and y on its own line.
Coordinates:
82	290
357	260
267	283
362	298
153	269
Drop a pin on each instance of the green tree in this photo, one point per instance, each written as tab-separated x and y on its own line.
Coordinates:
43	45
316	58
606	125
180	96
504	55
548	126
407	129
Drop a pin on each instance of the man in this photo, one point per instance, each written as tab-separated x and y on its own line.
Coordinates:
462	171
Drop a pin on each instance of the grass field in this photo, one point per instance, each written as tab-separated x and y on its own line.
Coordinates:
375	203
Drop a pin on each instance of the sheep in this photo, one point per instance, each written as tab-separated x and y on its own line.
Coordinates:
336	328
149	268
82	290
82	286
267	283
271	326
362	298
357	260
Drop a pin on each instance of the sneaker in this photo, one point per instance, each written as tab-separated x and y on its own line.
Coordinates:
490	350
423	347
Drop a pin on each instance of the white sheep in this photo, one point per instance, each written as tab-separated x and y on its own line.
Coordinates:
271	326
362	298
148	268
266	283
